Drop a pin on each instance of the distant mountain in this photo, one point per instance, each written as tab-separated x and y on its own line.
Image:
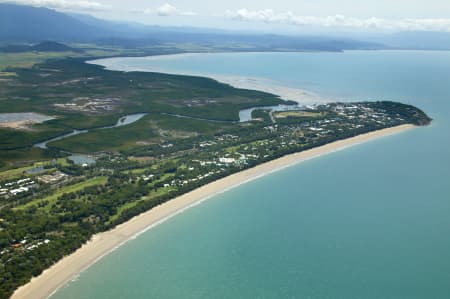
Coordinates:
115	28
26	24
19	23
418	40
47	46
405	40
255	42
138	35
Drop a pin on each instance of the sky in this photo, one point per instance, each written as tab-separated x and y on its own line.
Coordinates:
269	15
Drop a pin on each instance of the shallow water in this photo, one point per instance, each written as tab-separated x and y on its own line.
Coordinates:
79	159
370	221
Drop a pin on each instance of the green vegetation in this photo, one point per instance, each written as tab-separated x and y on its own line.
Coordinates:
153	128
27	59
261	115
63	88
17	172
297	113
189	137
129	206
20	157
46	46
45	222
25	56
49	200
13	173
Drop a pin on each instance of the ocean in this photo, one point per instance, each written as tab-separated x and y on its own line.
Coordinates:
370	221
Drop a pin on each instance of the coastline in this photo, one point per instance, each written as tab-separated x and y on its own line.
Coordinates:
103	243
301	96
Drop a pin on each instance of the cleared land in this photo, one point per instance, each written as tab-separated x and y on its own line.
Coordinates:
28	59
298	113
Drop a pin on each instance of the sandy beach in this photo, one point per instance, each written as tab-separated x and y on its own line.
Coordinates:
102	244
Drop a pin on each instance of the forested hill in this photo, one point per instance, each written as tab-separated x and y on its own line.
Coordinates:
46	46
19	23
27	24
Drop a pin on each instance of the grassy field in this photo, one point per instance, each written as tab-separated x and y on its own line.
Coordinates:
62	161
67	189
298	113
13	173
28	59
17	172
137	171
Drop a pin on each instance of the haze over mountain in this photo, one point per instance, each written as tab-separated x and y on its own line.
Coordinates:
28	24
46	46
20	23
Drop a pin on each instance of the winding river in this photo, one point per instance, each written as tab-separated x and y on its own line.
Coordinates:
123	121
244	116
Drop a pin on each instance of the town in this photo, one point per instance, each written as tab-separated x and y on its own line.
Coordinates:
50	208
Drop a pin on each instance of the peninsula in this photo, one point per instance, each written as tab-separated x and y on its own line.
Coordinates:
132	172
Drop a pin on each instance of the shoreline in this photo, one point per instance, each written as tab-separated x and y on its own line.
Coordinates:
101	244
301	96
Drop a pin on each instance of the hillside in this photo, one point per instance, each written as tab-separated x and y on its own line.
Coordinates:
20	23
47	46
26	24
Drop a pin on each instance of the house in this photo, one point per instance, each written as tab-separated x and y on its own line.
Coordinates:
227	160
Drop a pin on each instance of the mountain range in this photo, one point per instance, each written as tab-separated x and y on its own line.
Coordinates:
21	24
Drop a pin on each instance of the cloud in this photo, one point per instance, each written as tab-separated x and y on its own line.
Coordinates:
339	21
63	4
165	10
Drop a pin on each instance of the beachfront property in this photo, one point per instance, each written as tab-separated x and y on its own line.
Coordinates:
99	144
122	184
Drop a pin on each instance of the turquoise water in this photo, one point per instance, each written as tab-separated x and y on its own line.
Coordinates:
371	221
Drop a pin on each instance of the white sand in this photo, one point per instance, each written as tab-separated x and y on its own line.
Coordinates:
101	244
